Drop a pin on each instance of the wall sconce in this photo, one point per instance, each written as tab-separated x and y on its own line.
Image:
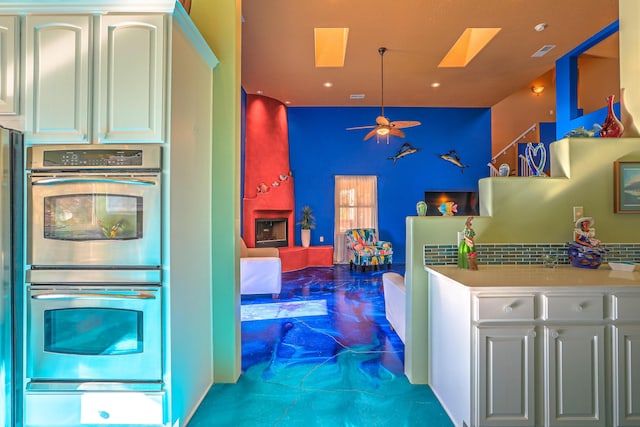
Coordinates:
537	89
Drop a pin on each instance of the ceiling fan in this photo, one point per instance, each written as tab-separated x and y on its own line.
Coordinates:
385	127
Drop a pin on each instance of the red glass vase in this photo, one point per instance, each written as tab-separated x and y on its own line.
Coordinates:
612	127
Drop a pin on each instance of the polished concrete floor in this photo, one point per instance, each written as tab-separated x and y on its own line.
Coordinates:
323	354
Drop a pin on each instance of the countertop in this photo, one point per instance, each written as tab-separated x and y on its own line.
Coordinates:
537	275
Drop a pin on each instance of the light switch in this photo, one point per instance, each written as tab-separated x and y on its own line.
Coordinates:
578	213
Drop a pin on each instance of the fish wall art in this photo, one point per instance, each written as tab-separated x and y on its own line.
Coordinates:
404	150
453	158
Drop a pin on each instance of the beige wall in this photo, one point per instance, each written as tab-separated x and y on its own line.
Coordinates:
516	113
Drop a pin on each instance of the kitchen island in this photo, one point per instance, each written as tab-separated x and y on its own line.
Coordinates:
524	345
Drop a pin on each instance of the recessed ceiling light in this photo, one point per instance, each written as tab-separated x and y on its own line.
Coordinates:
540	27
435	84
259	92
327	84
287	102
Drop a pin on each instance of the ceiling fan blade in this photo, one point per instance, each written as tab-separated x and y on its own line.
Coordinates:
362	127
370	134
382	121
405	124
396	132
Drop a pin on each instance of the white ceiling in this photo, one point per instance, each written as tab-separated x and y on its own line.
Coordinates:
278	48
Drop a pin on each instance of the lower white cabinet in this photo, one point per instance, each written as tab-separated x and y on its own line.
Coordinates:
574	376
506	393
538	356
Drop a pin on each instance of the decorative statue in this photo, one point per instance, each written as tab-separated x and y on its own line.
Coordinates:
584	234
585	250
467	255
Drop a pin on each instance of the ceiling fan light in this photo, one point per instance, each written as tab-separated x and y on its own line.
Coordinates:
382	131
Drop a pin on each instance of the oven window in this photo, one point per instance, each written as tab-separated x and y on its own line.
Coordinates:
93	217
93	331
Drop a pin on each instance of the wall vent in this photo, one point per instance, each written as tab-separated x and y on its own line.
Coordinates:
356	96
543	50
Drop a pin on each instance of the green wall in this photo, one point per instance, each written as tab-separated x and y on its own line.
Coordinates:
219	22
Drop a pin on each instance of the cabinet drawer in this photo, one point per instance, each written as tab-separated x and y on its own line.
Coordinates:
514	307
573	307
625	307
95	408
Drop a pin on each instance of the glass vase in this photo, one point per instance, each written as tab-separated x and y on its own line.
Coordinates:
612	127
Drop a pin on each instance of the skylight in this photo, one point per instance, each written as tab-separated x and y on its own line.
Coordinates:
468	45
331	46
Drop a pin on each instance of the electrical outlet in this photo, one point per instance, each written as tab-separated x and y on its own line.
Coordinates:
321	239
578	213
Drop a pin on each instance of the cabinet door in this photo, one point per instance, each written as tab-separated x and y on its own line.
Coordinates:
626	376
131	81
57	73
9	60
575	383
505	393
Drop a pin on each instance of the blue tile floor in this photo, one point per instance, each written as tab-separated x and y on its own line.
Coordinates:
323	354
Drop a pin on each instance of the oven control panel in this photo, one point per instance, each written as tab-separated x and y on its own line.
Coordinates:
61	157
92	158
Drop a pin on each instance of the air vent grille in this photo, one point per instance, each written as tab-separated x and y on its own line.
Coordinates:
543	50
356	96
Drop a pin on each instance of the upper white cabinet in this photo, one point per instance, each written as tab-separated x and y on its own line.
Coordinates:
9	61
94	79
57	65
131	79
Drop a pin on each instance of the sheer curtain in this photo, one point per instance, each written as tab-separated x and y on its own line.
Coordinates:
356	204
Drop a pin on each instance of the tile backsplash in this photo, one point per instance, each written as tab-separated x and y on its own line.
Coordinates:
524	253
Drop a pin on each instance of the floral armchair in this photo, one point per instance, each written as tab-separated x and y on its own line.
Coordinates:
366	250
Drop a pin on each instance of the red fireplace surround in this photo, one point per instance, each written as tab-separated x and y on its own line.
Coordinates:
268	184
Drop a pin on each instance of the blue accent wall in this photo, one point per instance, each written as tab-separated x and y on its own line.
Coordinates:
568	115
320	147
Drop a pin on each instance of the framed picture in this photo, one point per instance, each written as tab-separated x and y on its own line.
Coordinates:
626	191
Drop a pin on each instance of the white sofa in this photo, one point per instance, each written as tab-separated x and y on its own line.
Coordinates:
260	270
395	301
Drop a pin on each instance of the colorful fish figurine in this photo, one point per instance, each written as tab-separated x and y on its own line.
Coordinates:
263	188
448	208
453	157
404	150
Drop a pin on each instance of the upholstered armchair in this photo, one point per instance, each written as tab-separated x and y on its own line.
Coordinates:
365	250
260	270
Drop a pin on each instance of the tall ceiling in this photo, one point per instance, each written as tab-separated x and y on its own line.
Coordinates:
278	48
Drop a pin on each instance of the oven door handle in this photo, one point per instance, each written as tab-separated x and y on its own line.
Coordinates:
60	296
76	180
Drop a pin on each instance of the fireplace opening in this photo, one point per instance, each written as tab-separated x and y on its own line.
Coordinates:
271	232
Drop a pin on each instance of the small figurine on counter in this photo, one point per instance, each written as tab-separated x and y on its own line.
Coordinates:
585	250
467	255
584	234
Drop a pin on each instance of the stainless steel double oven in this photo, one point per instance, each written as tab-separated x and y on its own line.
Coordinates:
93	295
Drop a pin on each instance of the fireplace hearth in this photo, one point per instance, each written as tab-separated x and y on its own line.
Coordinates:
271	232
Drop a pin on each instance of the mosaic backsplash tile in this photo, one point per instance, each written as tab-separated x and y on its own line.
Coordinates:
525	253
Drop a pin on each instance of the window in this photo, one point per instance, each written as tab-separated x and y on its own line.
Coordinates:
356	204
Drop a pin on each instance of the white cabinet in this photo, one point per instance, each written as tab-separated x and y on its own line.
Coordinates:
9	62
574	343
575	386
94	79
539	356
506	393
57	65
131	79
626	363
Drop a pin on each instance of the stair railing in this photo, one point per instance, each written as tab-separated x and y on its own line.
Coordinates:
493	171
